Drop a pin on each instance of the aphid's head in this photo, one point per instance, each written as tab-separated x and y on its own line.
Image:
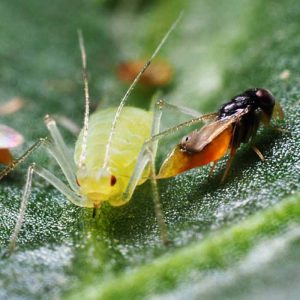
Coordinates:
98	185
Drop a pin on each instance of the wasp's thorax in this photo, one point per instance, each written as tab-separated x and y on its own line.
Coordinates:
236	122
258	104
251	99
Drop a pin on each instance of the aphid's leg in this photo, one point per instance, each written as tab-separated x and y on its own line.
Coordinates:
257	151
148	153
228	164
60	152
150	147
157	204
146	157
53	180
212	168
53	150
24	201
152	154
59	185
143	157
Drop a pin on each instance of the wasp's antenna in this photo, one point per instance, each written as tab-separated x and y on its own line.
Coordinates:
132	86
87	100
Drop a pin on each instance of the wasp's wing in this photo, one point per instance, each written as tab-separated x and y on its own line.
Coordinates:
201	147
197	140
9	138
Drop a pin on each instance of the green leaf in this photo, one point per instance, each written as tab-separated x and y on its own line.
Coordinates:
232	241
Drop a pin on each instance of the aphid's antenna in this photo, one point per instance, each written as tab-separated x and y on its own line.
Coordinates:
132	86
82	156
15	163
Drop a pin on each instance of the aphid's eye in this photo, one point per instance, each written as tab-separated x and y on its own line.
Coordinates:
113	180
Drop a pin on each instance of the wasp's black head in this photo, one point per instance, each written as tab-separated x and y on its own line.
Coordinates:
263	99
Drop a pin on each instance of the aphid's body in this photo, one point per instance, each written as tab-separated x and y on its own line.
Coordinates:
236	122
133	128
113	154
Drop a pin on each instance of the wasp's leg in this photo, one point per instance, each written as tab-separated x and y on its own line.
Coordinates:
61	153
53	180
257	151
228	164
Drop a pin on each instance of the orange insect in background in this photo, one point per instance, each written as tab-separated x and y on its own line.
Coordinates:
9	138
158	74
